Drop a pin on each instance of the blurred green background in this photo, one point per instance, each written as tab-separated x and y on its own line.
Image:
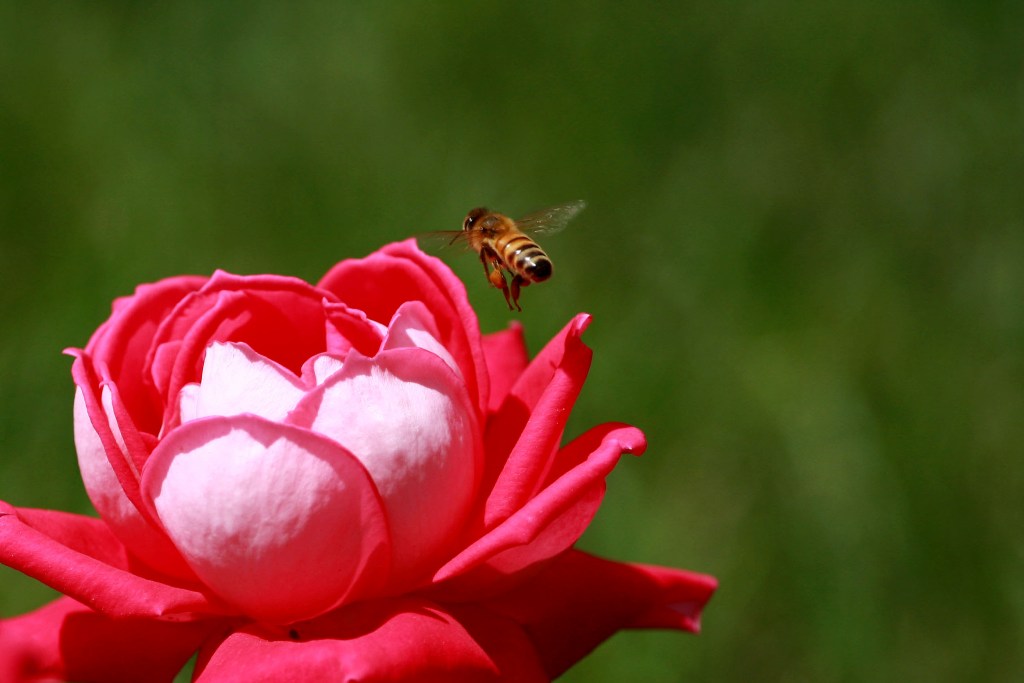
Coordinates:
803	251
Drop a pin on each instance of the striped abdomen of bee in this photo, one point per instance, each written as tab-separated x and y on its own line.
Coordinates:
522	256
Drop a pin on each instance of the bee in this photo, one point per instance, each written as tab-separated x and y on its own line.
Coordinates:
505	246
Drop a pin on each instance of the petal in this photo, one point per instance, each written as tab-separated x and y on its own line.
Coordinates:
529	425
278	317
580	600
407	417
379	641
79	557
188	404
123	342
238	380
380	283
96	420
349	328
413	327
549	523
66	640
276	520
317	369
86	535
98	452
506	357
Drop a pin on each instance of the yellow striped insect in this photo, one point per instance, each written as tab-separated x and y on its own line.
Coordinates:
506	245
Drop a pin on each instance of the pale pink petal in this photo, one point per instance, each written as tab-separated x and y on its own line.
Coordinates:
188	404
280	522
379	641
413	326
145	540
238	380
407	417
99	414
317	369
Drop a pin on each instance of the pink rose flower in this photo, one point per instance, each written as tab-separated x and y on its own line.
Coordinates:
334	482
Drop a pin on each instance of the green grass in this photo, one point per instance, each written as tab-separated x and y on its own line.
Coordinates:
803	251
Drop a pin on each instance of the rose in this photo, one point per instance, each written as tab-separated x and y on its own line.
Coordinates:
346	480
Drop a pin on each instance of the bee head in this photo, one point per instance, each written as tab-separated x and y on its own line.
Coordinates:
472	217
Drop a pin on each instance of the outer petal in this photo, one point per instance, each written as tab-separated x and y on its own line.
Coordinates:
99	452
400	272
506	356
67	641
406	416
580	600
379	641
123	342
549	523
278	521
79	557
529	425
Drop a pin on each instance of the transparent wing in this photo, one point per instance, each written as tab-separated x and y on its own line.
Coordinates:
550	220
438	240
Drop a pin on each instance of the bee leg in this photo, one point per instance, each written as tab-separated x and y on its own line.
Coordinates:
485	259
496	276
517	282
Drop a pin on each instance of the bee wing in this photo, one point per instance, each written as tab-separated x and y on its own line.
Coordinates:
552	219
438	240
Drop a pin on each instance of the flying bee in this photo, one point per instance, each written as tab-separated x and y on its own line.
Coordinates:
504	245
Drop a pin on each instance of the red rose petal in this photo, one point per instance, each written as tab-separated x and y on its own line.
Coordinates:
88	567
529	425
67	641
281	318
580	600
550	522
506	356
376	642
123	342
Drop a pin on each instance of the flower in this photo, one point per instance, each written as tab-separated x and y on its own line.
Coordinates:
344	481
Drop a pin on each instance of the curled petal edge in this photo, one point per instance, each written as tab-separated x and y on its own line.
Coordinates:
531	421
553	520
